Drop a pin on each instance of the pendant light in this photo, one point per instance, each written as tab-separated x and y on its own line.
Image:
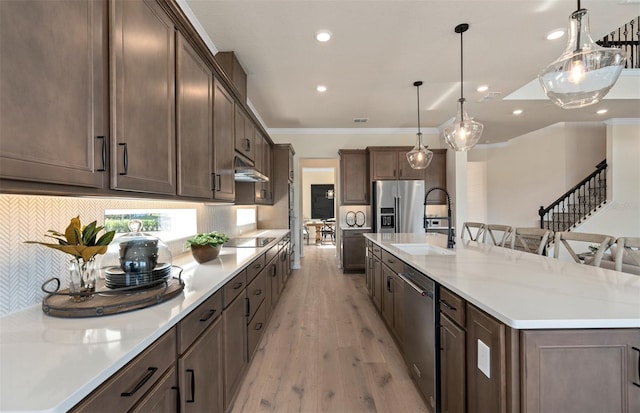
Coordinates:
464	133
585	72
419	157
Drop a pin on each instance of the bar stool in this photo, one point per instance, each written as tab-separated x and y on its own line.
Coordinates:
592	257
532	240
474	229
627	256
494	230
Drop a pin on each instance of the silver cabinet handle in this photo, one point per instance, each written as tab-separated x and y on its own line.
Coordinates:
415	287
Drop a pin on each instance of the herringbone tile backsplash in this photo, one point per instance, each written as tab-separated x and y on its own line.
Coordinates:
24	267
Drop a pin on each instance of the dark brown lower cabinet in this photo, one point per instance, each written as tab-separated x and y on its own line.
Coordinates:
581	370
353	251
235	346
376	294
163	398
486	365
453	388
136	383
200	370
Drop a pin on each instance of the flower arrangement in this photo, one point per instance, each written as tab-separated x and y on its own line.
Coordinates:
83	244
80	242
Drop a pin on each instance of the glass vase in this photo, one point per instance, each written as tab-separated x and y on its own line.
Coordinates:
75	281
82	279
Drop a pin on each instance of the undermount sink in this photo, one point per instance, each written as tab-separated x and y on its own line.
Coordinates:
423	249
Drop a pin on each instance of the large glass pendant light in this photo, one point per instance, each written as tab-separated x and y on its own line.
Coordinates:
585	72
464	132
419	157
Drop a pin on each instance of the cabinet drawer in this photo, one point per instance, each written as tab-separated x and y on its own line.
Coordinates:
255	330
392	262
273	251
198	320
255	267
453	306
163	398
377	250
234	287
127	386
256	292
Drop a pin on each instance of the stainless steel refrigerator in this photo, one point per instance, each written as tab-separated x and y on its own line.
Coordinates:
398	206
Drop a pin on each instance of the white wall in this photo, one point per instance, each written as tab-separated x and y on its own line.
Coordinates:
535	169
621	216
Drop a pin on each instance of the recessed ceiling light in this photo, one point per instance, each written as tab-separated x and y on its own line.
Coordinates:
555	34
321	88
517	112
482	88
323	35
601	111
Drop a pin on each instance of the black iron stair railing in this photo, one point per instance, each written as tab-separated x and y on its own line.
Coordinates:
627	38
577	203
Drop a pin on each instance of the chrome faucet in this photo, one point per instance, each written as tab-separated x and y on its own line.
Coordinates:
450	241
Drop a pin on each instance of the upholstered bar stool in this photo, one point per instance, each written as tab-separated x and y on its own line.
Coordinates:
532	240
474	229
499	234
589	257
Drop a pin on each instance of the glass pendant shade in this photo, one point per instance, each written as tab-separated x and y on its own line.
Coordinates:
464	133
585	72
419	157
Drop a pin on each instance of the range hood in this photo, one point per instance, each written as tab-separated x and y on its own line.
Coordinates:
245	171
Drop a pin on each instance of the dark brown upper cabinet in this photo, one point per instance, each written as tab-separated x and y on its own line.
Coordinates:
194	81
142	98
223	143
354	177
53	77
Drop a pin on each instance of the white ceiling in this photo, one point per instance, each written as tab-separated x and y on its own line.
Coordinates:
380	47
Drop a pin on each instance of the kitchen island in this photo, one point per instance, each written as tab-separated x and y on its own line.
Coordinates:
527	324
50	364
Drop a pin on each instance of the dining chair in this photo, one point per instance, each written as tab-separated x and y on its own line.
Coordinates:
532	240
328	230
474	229
593	253
627	254
499	234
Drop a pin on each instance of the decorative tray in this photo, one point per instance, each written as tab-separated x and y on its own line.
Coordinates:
106	301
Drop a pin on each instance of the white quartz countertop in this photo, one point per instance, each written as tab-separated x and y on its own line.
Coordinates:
525	291
49	364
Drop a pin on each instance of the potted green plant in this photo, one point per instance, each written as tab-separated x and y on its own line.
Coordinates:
206	247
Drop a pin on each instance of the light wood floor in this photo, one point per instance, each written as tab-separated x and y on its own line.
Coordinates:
326	349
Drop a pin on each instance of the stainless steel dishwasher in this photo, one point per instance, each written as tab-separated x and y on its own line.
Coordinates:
420	337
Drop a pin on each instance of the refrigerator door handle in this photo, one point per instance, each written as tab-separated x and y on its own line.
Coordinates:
398	224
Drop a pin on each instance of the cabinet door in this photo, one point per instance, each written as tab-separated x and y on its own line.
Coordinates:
291	165
436	176
143	147
162	398
200	371
275	283
194	124
377	283
264	190
581	370
223	143
244	134
235	346
387	295
405	171
53	122
384	165
486	350
452	367
353	251
354	178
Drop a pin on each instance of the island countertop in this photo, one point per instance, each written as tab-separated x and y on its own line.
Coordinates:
523	290
49	364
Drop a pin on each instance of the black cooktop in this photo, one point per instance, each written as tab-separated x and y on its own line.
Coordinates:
255	242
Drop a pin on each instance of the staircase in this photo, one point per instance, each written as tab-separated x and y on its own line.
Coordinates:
578	203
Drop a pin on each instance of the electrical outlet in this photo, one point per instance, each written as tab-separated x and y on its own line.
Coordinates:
484	359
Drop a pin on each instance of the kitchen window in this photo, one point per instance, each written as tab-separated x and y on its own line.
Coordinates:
166	224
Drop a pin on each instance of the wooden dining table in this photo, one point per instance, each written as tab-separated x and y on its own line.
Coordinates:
318	228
